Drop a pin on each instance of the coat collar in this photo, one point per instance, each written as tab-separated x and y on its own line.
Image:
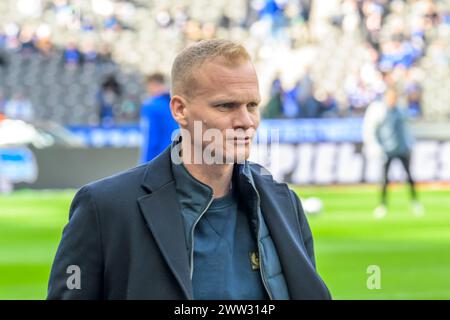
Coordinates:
162	213
282	220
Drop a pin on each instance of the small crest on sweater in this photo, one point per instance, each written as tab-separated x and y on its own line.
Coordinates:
254	260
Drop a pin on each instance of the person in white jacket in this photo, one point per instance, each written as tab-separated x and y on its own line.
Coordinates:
386	135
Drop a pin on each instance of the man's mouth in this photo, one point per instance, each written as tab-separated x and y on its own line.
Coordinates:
242	140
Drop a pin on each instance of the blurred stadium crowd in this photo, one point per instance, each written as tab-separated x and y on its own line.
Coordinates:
84	62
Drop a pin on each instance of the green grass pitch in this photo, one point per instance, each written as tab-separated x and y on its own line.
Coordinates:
412	253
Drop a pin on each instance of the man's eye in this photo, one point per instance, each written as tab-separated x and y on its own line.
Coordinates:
226	105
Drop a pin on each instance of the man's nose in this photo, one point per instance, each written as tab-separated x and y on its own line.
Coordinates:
243	118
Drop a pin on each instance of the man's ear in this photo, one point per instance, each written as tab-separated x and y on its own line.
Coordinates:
178	109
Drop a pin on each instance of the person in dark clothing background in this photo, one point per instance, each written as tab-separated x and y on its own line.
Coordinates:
3	60
107	98
157	123
395	139
274	107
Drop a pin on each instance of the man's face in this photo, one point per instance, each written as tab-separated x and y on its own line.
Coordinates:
226	99
390	98
153	87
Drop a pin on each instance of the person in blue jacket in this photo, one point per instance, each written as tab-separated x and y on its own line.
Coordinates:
157	123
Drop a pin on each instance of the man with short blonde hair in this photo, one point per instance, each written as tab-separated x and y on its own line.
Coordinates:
192	57
186	227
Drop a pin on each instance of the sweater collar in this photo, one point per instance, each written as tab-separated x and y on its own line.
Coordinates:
195	193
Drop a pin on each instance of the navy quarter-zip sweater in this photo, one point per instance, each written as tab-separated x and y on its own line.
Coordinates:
223	242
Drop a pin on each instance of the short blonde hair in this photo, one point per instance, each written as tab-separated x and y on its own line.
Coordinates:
182	79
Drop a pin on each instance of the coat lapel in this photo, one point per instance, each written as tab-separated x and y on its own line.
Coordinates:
279	213
161	211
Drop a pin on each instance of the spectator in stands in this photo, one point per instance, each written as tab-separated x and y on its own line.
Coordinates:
27	42
19	108
72	56
414	92
308	104
328	107
164	18
310	108
111	23
305	7
12	42
2	38
104	55
89	51
414	95
2	103
274	12
3	60
157	123
393	136
43	40
274	107
129	108
108	98
359	94
371	15
291	108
